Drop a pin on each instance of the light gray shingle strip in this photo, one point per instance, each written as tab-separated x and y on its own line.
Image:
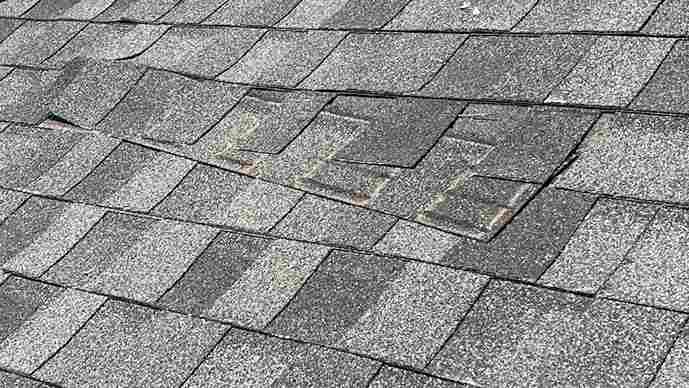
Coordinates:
631	155
10	201
394	377
108	41
413	240
68	9
671	17
655	270
15	381
35	41
386	62
346	14
15	8
25	95
171	108
613	71
521	336
320	220
136	10
192	11
667	90
251	359
203	51
283	58
48	329
675	371
127	345
252	12
452	15
508	67
583	15
598	246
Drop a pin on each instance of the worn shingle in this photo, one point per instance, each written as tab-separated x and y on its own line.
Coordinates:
136	10
522	336
668	90
68	9
391	62
35	41
351	14
252	12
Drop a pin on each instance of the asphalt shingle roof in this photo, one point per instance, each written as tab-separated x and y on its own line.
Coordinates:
345	193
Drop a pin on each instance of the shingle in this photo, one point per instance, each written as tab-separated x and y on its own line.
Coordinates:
283	58
68	9
668	90
252	12
321	220
191	11
127	345
508	67
613	71
598	246
7	26
413	240
204	51
671	17
244	280
35	41
136	10
19	299
109	41
41	232
25	95
655	270
15	8
350	14
584	15
522	336
171	108
132	177
530	143
215	196
92	89
10	380
132	257
675	371
445	15
386	308
632	155
10	201
530	242
48	328
391	62
249	359
393	377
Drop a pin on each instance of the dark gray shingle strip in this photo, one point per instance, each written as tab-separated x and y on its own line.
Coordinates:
668	90
252	12
137	10
521	336
349	14
25	95
671	17
68	9
35	41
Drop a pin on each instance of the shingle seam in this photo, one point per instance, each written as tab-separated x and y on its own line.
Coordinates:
445	62
666	354
174	187
124	96
293	206
440	136
13	30
374	375
287	13
213	12
650	16
322	60
244	54
655	71
571	69
92	171
210	127
148	46
395	15
526	14
17	208
205	356
71	38
169	10
27	376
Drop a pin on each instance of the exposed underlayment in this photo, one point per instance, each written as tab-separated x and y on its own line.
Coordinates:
344	193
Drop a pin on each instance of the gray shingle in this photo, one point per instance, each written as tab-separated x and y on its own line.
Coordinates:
10	380
351	14
675	371
35	41
252	12
508	67
10	201
321	220
68	9
132	177
127	345
413	240
19	299
631	155
385	308
191	11
205	51
171	108
672	17
522	336
25	95
212	195
655	270
613	71
446	15
254	360
283	58
136	10
393	377
668	90
245	280
108	41
529	143
584	15
7	26
392	62
15	8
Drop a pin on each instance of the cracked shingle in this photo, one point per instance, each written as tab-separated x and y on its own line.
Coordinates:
668	90
68	9
136	10
251	12
35	41
350	14
392	62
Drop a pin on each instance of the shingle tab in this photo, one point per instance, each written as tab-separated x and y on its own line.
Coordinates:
25	95
191	11
7	26
522	336
351	14
671	17
35	41
385	308
252	12
255	360
613	71
68	9
15	8
205	51
127	345
632	155
391	62
675	371
136	10
453	15
508	67
584	15
394	377
171	108
15	381
10	201
667	90
283	58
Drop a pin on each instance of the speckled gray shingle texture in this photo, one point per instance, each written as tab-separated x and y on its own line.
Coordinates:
352	14
668	90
